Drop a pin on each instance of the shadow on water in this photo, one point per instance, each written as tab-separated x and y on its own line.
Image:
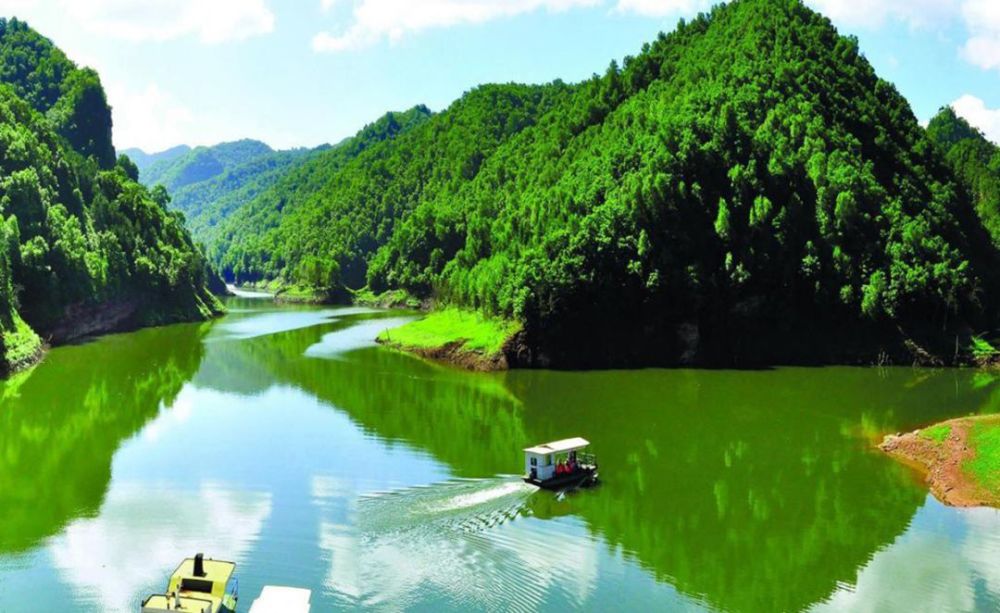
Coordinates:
62	422
745	490
748	490
469	423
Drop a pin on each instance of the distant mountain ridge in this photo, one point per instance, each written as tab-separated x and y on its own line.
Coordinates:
144	160
244	172
200	163
209	202
304	183
207	183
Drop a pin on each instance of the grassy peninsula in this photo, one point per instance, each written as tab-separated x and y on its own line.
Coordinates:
961	459
467	338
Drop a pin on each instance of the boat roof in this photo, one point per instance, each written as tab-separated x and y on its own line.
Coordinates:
216	571
567	444
279	599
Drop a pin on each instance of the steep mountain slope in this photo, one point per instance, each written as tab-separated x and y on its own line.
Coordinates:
144	160
975	160
83	247
745	190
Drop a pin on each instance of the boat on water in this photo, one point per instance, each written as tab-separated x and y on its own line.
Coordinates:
560	464
201	585
198	586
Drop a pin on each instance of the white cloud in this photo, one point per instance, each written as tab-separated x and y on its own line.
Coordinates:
15	7
149	118
213	21
874	13
141	534
975	111
943	559
662	8
371	21
376	20
983	20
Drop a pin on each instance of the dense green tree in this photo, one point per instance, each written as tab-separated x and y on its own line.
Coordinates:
318	272
129	167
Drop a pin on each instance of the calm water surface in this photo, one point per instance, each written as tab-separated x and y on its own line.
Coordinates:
284	439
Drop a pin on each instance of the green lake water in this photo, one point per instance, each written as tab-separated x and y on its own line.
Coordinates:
284	439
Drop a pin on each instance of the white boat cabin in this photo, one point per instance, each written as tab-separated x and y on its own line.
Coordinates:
540	461
280	599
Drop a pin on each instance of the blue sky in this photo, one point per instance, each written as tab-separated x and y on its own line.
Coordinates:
305	72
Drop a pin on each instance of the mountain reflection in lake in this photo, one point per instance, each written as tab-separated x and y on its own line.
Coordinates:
285	439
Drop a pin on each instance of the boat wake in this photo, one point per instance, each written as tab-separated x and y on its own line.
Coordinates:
458	544
466	544
466	505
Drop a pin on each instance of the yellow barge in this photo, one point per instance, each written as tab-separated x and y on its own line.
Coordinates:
198	586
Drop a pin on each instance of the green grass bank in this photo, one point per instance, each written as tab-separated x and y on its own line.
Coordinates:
465	338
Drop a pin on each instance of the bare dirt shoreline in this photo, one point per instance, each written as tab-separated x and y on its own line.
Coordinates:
942	462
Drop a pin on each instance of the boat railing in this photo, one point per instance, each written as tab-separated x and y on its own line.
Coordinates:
163	603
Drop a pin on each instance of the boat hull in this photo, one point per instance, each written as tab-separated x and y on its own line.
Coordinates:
581	478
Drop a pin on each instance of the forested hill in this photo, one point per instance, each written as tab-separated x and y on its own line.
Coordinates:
975	160
744	190
84	248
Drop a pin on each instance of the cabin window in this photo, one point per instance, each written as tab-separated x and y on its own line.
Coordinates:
534	461
196	585
548	460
